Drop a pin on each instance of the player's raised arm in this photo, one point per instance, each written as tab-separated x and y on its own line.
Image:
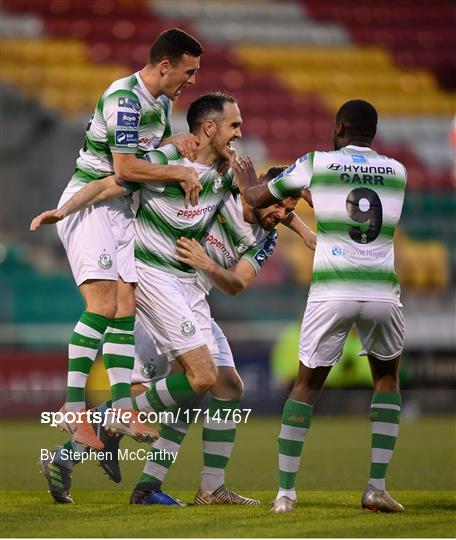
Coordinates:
93	193
230	282
290	182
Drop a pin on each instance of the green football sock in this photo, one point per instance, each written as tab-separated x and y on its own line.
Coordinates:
172	434
166	393
119	358
82	352
296	419
384	414
219	432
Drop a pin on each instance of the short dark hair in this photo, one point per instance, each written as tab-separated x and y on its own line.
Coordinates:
272	172
204	106
172	44
359	118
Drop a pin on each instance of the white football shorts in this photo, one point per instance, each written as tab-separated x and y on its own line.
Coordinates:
174	311
152	365
326	324
99	241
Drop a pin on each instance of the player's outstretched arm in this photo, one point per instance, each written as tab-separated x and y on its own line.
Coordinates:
129	168
295	223
230	282
93	193
186	143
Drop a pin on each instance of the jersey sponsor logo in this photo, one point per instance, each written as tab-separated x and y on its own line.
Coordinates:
189	214
359	158
267	250
218	244
149	142
149	370
127	119
130	103
373	169
105	261
270	243
126	138
354	252
260	257
334	166
145	141
188	328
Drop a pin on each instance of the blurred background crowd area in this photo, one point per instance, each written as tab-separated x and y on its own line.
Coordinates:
290	64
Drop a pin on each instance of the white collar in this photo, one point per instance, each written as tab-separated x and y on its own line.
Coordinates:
359	148
143	86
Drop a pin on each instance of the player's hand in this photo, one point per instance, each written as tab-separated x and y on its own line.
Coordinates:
191	252
307	196
224	165
190	184
310	239
244	172
186	143
46	218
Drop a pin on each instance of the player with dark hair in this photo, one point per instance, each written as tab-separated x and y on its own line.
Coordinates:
132	117
172	44
358	196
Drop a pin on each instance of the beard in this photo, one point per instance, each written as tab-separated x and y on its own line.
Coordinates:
266	225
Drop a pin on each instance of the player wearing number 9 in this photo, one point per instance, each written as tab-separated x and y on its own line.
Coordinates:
357	196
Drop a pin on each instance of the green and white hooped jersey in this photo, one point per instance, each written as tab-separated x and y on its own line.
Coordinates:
162	217
357	196
127	120
230	238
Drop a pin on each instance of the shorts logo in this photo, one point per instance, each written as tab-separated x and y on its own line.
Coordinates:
187	328
130	103
149	370
126	138
336	251
105	261
217	185
127	119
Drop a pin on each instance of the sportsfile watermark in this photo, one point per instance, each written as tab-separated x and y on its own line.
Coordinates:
110	416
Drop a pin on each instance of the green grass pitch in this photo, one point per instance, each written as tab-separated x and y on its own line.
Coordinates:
333	473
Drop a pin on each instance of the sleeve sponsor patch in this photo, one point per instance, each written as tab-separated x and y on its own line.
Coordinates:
130	103
128	119
267	250
126	138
